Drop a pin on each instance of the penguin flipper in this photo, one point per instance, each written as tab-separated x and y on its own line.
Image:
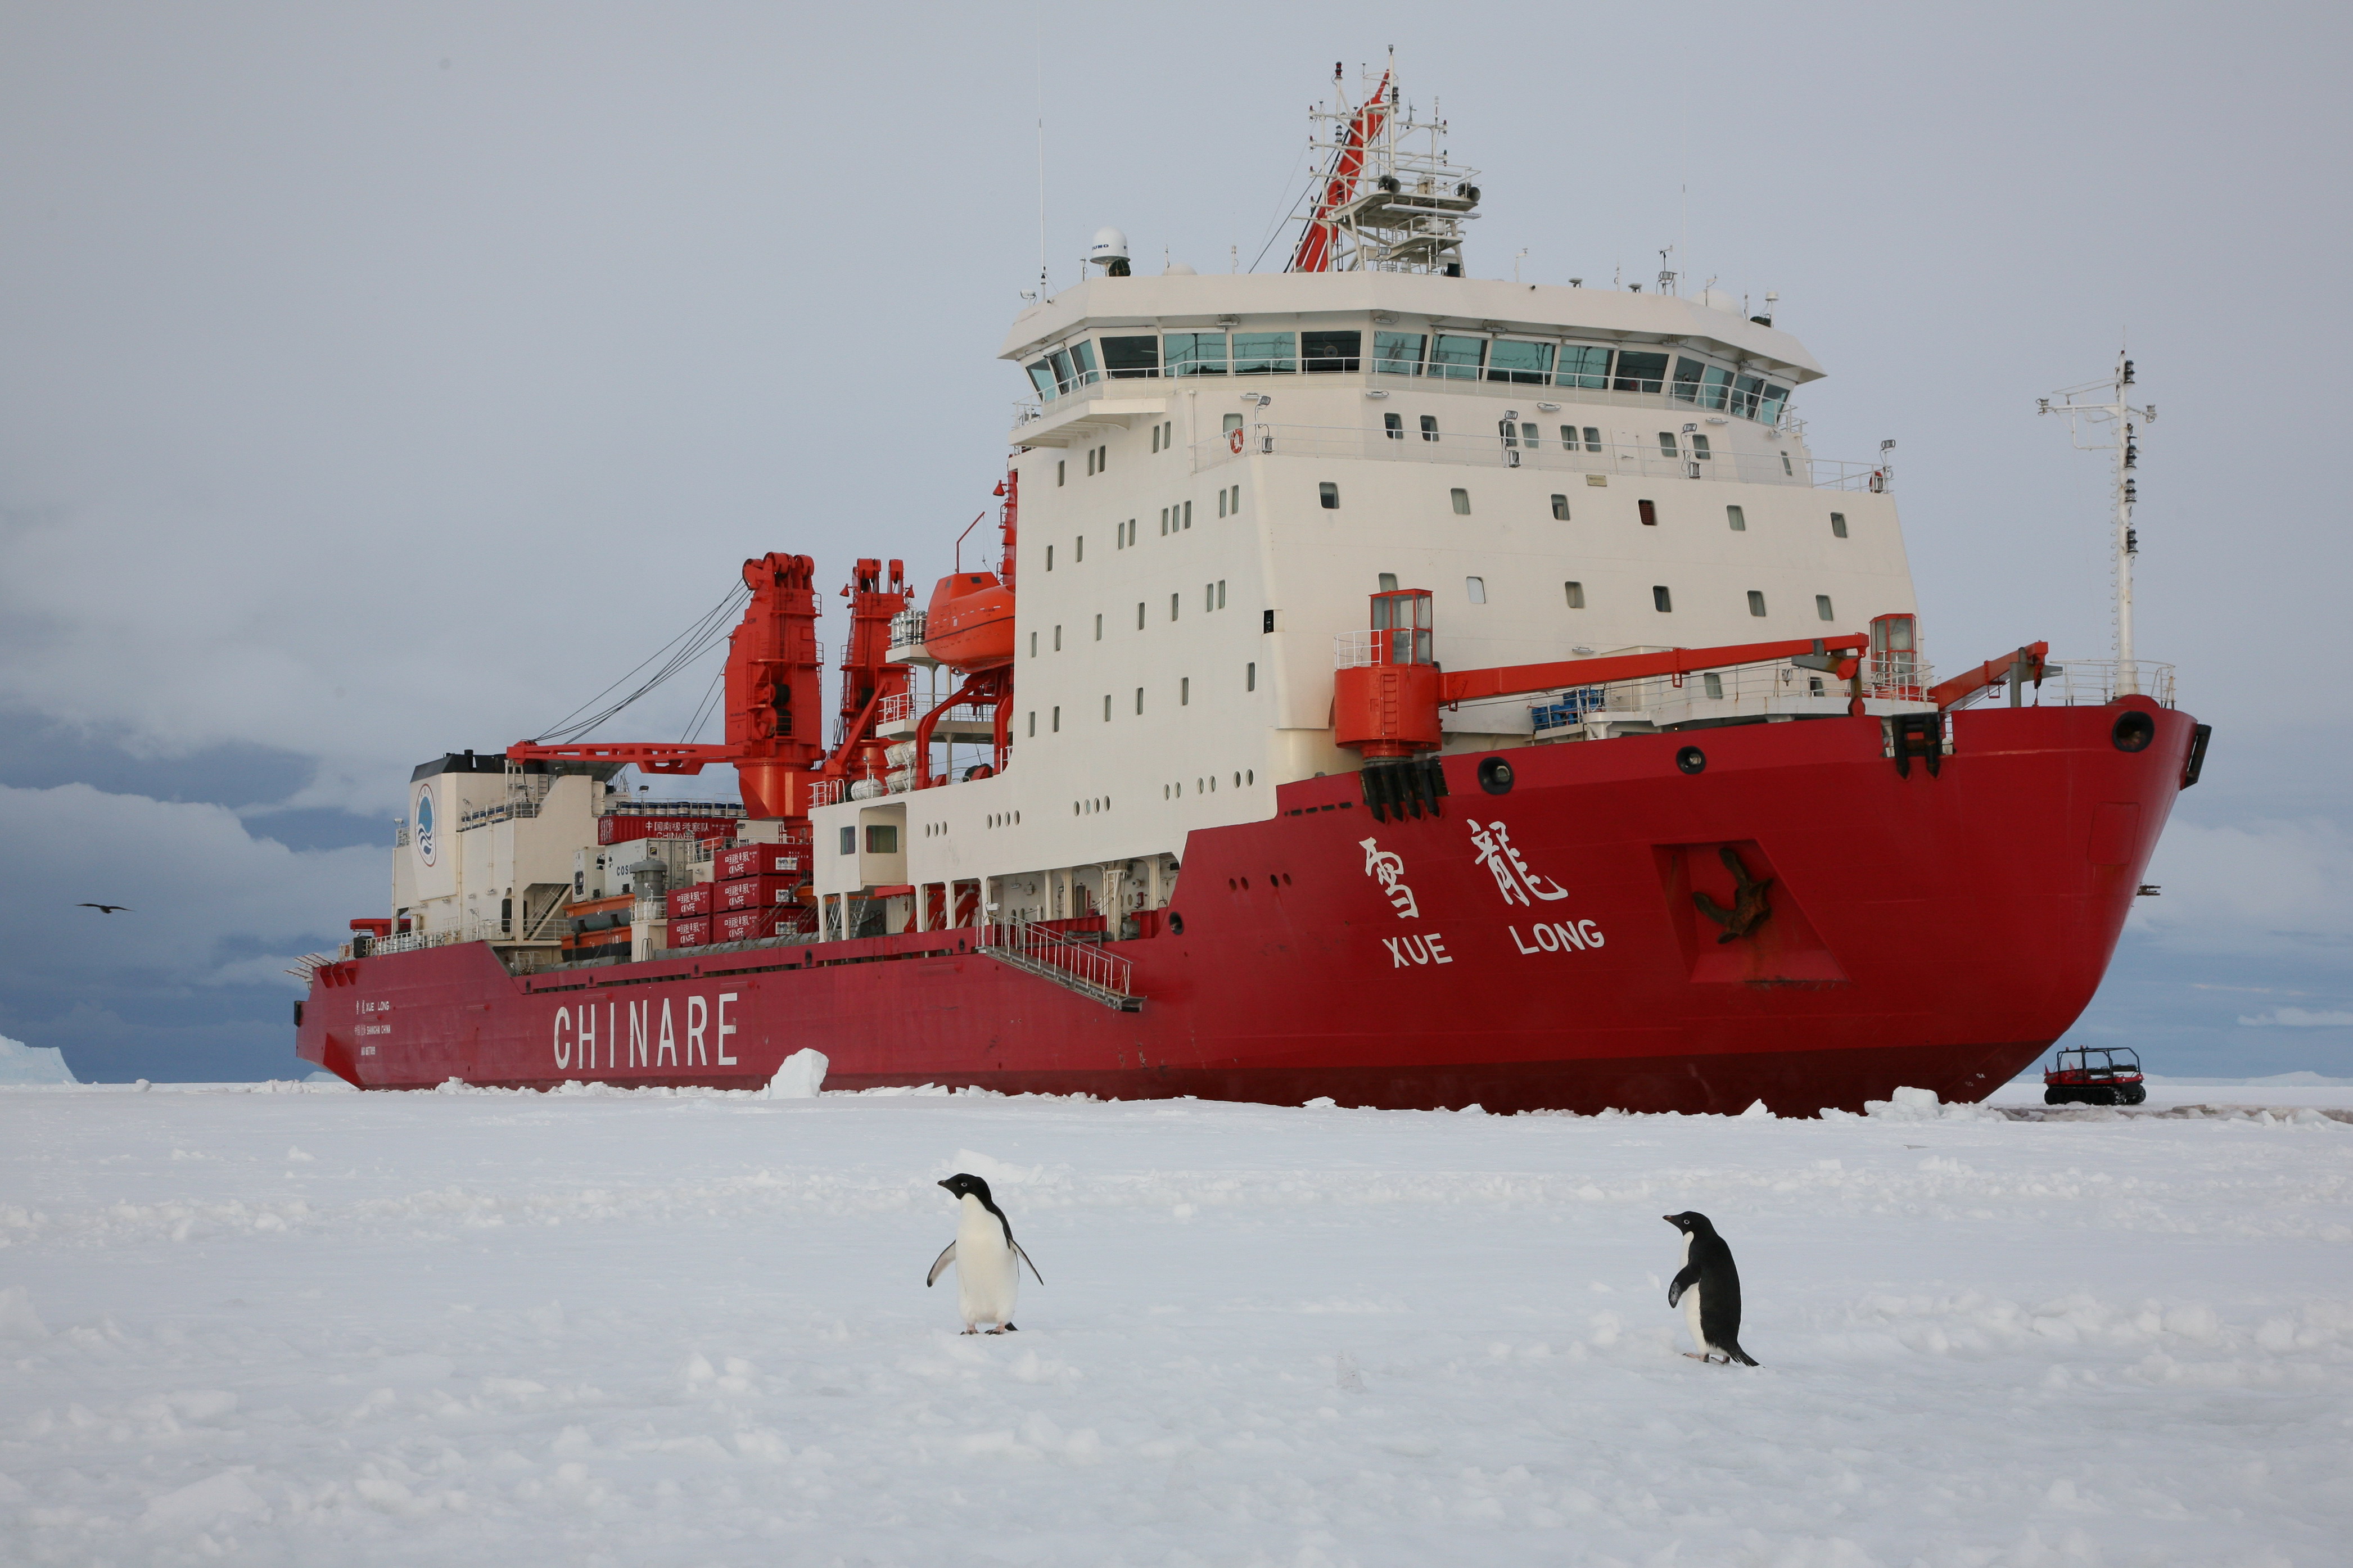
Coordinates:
1025	1258
940	1265
1682	1282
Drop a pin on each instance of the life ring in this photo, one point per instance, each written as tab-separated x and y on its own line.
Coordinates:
1235	439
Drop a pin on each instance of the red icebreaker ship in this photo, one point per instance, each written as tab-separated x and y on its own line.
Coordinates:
1401	687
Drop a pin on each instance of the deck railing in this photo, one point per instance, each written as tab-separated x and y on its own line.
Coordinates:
1082	964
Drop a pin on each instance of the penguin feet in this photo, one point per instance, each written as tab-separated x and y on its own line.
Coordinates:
970	1330
1005	1329
1711	1358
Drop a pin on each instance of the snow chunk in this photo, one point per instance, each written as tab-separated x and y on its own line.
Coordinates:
21	1063
1922	1105
801	1076
1757	1112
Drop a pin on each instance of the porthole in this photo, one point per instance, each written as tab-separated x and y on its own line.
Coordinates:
1692	760
1495	775
2135	730
1175	923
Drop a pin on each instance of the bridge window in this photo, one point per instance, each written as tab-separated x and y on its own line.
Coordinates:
1131	359
1712	684
1430	427
1769	409
1837	521
1397	353
1477	588
1041	376
1639	372
1575	593
1687	374
881	839
1529	438
1569	438
1393	427
1667	447
1522	364
1756	603
849	841
1583	365
1388	582
1462	502
1699	447
1195	353
1328	494
1822	607
1662	600
1331	351
1737	519
1561	509
1716	388
1457	358
1592	439
1265	353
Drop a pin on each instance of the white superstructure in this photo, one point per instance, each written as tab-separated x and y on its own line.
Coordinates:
1218	471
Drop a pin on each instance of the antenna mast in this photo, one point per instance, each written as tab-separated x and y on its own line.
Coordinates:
1381	205
2121	436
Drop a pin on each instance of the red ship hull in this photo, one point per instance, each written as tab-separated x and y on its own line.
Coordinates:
1938	930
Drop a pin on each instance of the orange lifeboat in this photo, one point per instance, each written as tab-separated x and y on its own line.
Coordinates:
969	625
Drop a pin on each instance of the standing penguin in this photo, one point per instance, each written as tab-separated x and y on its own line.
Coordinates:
1709	1289
987	1259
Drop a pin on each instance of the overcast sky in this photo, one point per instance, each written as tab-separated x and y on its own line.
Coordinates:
382	381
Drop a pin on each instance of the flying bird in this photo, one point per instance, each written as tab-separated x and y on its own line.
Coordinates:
1709	1290
108	909
987	1259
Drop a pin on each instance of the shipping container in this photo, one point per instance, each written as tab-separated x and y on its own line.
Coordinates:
690	932
694	900
743	925
759	859
750	892
619	828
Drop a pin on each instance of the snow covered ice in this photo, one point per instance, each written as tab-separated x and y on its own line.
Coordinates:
493	1328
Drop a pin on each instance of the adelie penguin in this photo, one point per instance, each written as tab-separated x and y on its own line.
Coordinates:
987	1259
1709	1289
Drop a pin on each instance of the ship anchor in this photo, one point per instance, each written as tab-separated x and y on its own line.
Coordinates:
1748	908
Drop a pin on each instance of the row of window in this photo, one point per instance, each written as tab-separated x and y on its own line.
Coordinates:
1662	598
1446	357
1327	496
1213	598
1206	784
1175	517
1184	699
